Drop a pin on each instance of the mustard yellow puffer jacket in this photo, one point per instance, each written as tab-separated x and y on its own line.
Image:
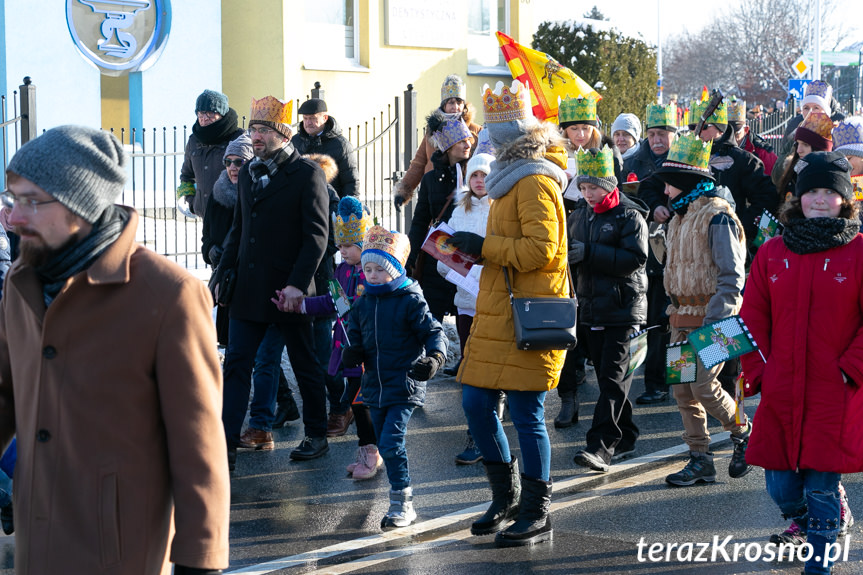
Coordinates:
527	232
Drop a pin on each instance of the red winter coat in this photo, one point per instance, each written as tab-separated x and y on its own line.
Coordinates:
806	314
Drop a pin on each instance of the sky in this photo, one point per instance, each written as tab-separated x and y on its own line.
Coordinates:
635	17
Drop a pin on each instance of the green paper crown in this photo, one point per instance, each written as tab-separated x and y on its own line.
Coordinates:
719	116
599	166
691	151
736	110
658	116
576	110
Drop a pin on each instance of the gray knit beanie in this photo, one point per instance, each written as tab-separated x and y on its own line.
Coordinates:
630	124
212	101
608	183
241	147
83	168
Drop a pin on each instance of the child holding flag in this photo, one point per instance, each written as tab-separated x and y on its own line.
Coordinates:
804	307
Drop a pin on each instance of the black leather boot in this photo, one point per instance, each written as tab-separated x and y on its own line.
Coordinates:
505	486
533	524
286	407
568	415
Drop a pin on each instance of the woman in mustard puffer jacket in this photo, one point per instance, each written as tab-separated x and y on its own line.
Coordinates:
527	234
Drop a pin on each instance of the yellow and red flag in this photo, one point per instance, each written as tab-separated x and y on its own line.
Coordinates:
546	77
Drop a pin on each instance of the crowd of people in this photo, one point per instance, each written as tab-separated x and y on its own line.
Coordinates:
651	225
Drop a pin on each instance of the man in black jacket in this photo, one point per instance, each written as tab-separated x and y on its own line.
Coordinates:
319	133
276	242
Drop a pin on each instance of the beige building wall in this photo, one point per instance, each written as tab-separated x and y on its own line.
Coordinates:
264	52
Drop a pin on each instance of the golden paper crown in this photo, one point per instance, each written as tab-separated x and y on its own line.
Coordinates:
271	110
599	166
661	116
576	110
819	123
453	87
351	222
506	104
390	244
689	152
736	110
719	115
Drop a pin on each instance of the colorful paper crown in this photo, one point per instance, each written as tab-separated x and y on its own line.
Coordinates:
689	152
272	112
505	104
453	87
582	110
849	132
736	110
450	132
661	116
818	123
819	92
389	249
599	166
719	115
351	222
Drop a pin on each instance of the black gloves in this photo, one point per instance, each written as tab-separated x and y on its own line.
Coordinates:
215	255
399	200
180	570
190	201
352	356
576	252
468	242
425	367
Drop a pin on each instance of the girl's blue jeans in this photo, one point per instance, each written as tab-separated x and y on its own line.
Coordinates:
391	424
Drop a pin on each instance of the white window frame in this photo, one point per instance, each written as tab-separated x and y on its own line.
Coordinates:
489	44
323	39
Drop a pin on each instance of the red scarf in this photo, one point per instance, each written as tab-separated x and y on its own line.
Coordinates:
608	202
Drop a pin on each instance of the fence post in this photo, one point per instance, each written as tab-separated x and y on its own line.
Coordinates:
318	92
410	140
27	93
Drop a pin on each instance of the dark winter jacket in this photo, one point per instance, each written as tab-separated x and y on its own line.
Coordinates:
611	280
393	330
203	159
435	188
332	143
220	214
277	238
743	174
642	163
5	257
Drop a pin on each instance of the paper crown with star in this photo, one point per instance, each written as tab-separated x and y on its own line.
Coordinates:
351	222
505	103
579	110
659	116
272	112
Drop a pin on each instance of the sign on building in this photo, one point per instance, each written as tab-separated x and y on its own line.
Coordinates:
422	24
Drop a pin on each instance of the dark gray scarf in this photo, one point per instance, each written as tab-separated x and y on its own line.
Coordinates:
224	191
262	170
811	235
81	255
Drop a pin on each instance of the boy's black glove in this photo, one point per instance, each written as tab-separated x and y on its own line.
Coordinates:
180	570
425	367
468	242
576	253
352	356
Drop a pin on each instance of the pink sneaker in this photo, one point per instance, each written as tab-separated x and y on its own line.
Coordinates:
353	465
370	461
846	519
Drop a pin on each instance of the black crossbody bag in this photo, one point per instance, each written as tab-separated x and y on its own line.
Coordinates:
543	323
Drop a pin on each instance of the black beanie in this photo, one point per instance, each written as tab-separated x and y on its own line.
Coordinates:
829	170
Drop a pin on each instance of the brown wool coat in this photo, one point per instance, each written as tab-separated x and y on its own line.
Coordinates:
115	392
527	232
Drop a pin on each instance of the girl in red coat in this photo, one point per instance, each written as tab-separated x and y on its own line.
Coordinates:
804	306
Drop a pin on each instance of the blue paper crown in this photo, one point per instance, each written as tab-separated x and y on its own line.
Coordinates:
849	132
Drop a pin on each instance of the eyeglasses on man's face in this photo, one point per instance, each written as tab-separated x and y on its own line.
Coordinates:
29	205
236	163
207	115
263	131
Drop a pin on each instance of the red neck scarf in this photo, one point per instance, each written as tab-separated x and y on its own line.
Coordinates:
608	202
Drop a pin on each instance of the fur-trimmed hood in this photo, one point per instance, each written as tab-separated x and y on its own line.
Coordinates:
539	141
327	164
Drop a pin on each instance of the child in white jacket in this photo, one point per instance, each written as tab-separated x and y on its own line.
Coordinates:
469	215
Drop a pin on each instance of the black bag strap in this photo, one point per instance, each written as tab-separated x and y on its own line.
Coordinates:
509	287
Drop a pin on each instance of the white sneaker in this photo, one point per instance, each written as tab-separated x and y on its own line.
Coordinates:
401	512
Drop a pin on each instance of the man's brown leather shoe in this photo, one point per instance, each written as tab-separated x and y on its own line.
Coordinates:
338	423
257	439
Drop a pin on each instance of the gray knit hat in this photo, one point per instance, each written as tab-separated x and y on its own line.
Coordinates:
83	168
241	147
629	123
212	101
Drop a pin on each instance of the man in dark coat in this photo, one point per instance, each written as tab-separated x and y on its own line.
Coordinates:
319	133
277	239
215	127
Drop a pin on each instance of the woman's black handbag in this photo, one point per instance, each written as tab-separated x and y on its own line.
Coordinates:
222	284
543	323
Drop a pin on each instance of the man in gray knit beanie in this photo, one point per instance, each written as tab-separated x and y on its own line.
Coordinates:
82	168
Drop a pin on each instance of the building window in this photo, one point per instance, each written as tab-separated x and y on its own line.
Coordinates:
331	26
485	17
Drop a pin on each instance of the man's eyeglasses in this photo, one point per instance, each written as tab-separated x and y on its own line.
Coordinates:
208	115
238	162
261	130
9	200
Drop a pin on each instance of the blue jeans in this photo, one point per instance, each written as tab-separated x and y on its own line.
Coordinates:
244	339
268	362
323	328
391	424
528	416
811	498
